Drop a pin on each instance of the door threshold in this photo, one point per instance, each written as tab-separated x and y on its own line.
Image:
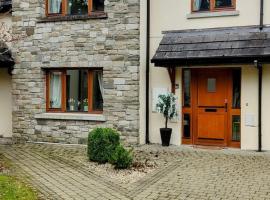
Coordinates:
208	147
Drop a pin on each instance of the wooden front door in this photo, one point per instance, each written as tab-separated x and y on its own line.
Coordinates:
211	110
211	107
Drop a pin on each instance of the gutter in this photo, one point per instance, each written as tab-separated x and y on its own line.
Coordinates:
147	71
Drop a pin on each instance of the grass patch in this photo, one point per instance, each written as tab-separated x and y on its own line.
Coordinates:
13	189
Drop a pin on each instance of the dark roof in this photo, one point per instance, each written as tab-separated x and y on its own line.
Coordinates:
213	46
6	59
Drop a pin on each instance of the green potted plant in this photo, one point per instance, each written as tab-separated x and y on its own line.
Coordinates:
167	106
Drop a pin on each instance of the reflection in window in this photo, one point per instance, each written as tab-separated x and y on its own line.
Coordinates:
77	7
236	88
236	127
201	5
186	125
223	3
77	90
97	91
186	82
211	85
55	90
54	6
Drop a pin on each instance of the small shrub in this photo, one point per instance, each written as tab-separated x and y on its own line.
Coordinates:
121	158
102	142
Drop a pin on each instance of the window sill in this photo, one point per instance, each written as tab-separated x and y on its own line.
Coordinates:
213	14
72	116
59	18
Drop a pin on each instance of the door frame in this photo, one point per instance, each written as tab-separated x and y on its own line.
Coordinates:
192	111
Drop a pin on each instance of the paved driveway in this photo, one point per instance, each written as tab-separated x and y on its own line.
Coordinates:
197	174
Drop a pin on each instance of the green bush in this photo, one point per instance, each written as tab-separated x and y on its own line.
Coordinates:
121	158
102	142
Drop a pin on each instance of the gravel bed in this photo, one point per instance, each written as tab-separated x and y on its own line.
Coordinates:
147	159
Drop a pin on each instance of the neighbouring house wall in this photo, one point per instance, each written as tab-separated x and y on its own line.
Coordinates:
5	90
5	104
177	17
266	108
111	44
178	12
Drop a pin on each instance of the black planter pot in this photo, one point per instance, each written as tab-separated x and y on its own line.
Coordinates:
165	134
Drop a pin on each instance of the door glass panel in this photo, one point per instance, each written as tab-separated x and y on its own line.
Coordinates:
186	124
186	82
211	85
236	89
236	127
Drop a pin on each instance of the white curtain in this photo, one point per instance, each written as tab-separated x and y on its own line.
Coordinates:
55	6
100	81
55	90
197	5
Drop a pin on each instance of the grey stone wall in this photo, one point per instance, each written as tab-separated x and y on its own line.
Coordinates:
111	43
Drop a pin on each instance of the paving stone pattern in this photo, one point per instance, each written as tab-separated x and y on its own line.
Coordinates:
197	174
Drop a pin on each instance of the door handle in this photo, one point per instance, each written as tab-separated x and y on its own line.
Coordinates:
226	107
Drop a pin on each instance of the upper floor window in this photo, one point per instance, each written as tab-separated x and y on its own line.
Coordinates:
212	5
73	7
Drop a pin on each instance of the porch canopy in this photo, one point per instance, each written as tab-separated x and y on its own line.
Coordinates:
6	59
218	46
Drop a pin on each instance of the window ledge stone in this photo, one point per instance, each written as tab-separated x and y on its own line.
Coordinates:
94	15
71	116
213	14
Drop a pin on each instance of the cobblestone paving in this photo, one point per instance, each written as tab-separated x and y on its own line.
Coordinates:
196	174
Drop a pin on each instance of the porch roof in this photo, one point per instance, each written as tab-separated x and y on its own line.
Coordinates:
6	59
233	45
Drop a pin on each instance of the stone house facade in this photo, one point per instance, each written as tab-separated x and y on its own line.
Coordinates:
107	41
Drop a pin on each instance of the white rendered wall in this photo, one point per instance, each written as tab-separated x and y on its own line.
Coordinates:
249	108
5	104
266	108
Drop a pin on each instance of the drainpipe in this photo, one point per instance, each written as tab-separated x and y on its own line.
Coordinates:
147	141
261	14
260	70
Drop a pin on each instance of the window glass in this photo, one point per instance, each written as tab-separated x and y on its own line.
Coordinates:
98	5
55	90
97	90
77	90
201	5
186	81
236	127
55	6
77	7
211	85
223	3
186	125
236	88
